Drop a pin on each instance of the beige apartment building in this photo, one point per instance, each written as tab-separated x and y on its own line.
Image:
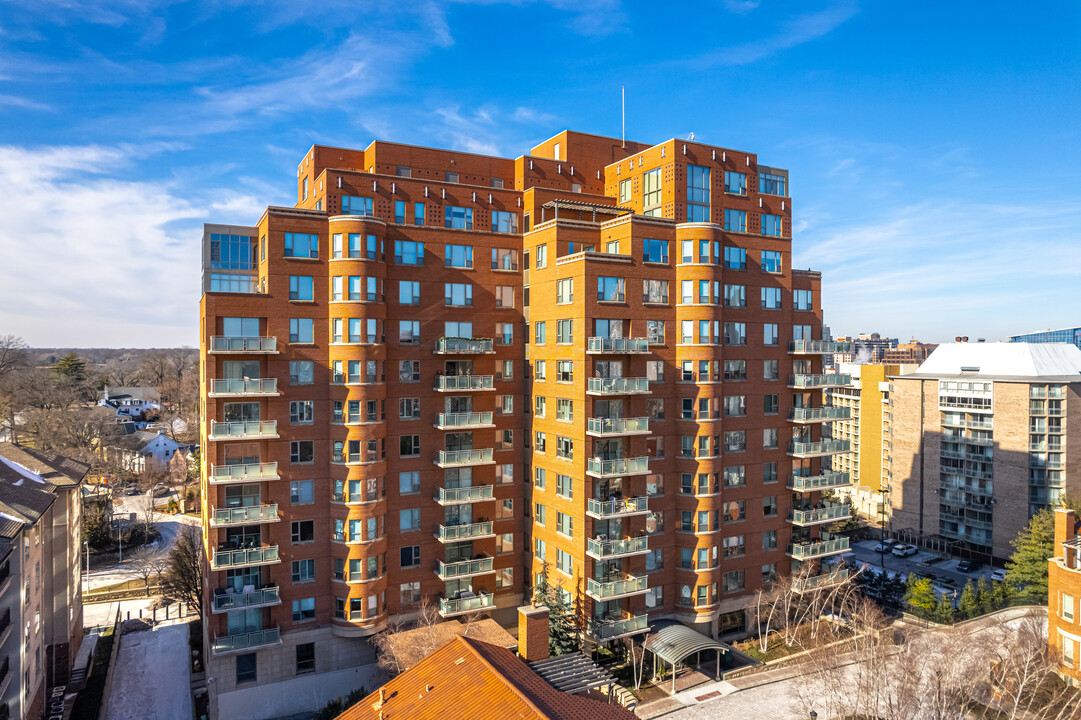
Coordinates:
980	443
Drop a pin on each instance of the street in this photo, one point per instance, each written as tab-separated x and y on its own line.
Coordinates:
941	573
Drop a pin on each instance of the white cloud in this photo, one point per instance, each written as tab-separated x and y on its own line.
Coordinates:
14	101
740	7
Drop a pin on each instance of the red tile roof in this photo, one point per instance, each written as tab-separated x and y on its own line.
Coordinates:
467	679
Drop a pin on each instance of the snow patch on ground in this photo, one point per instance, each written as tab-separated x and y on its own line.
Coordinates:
151	676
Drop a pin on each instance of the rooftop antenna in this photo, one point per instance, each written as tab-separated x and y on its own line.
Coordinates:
624	91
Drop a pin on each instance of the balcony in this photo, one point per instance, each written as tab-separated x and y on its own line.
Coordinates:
464	458
247	641
616	427
602	549
826	480
819	449
449	607
627	507
819	582
251	515
617	468
616	346
465	495
806	382
617	386
259	387
251	557
221	345
818	347
464	346
464	383
617	589
611	629
253	430
818	548
225	601
469	531
832	512
464	421
808	415
248	472
464	568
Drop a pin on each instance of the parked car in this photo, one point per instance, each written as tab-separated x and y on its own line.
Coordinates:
131	490
904	550
884	546
998	574
966	566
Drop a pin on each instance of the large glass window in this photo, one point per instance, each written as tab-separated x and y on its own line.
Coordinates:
505	222
735	182
654	250
610	289
735	220
697	194
459	256
458	294
352	205
460	218
301	287
232	252
301	330
771	225
772	184
651	192
772	261
301	245
504	259
407	252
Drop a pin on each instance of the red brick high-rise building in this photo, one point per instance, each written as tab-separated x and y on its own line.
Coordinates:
440	373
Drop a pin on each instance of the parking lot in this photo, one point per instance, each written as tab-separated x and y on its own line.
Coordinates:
944	574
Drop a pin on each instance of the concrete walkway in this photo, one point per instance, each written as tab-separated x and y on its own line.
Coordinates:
150	677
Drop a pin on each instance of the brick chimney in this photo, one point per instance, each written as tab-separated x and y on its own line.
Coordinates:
533	632
1065	528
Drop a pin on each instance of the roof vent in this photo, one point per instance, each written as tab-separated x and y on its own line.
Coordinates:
970	368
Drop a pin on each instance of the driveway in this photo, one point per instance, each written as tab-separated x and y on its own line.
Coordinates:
151	676
943	574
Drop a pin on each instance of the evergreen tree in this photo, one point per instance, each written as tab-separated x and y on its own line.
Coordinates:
563	635
969	606
983	596
1026	569
1000	595
943	610
921	598
71	366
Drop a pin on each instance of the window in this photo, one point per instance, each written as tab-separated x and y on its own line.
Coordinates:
352	205
232	252
655	332
409	446
1067	607
697	194
418	214
301	287
539	333
451	177
655	251
409	371
655	371
735	296
565	524
539	367
771	261
769	507
302	531
299	245
301	451
655	291
410	556
301	330
303	571
409	519
303	609
504	259
460	256
610	289
504	333
409	483
301	492
542	256
301	411
564	562
770	370
564	290
459	218
539	518
803	299
624	191
539	408
407	252
409	593
735	405
651	192
772	184
504	222
564	409
735	182
504	296
735	220
771	225
564	447
540	441
399	211
245	668
564	331
565	486
539	476
408	292
735	258
408	332
769	473
771	298
504	404
564	371
732	581
735	333
458	294
735	441
769	334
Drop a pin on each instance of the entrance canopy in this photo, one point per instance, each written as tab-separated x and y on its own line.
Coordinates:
675	642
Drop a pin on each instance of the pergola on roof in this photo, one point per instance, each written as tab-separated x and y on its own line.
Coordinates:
572	673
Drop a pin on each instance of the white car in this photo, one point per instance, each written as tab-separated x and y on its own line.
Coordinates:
904	550
998	574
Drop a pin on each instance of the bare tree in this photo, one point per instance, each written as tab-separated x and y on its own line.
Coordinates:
402	645
12	354
144	560
637	654
185	572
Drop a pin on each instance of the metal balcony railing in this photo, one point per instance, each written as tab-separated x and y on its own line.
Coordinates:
222	517
818	381
608	629
819	414
263	597
462	458
253	430
830	513
238	387
465	568
463	420
227	559
617	508
604	549
245	641
458	383
617	588
820	448
826	480
818	347
819	582
464	495
224	344
458	606
464	346
617	386
618	426
248	472
818	548
470	531
617	346
617	468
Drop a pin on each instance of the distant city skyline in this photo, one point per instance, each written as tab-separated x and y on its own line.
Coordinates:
933	150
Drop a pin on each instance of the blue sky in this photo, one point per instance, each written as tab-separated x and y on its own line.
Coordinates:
933	147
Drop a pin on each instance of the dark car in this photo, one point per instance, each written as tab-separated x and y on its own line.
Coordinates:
966	566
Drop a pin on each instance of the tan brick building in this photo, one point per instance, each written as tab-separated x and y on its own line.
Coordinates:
440	371
1064	596
980	443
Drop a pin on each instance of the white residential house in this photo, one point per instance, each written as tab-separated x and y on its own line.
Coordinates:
131	401
143	450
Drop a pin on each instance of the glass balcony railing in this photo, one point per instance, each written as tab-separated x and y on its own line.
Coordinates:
617	468
244	388
469	531
617	508
819	548
226	601
605	549
819	414
459	606
826	480
461	458
617	386
463	420
223	517
617	346
464	346
248	472
814	516
459	383
464	495
818	381
223	344
617	588
465	568
608	629
818	347
253	430
618	426
246	640
818	582
818	449
226	559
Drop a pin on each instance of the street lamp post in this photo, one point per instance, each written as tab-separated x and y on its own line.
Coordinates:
86	544
882	527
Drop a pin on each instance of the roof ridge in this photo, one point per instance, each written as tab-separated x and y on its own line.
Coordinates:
503	679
